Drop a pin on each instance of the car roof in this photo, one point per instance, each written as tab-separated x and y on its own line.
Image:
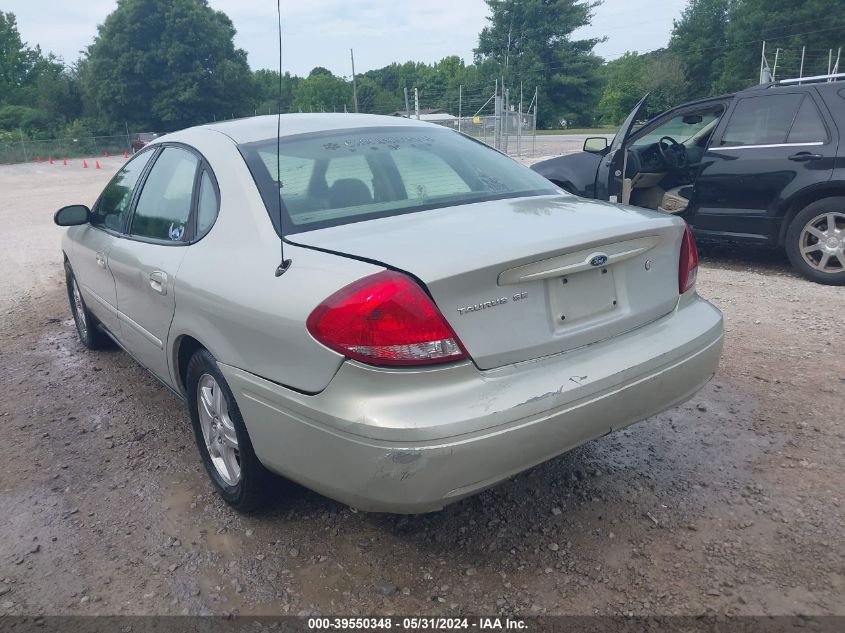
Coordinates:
794	85
260	128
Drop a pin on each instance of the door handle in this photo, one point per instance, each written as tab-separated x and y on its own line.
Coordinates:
158	282
101	259
802	157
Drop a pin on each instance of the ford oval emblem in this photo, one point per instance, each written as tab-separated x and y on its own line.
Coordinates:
598	260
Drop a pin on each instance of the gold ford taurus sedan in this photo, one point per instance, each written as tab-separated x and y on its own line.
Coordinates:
442	317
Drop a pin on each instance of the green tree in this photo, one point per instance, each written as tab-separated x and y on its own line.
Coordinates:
166	64
622	86
719	41
54	90
628	78
699	42
786	24
266	85
321	91
16	60
530	42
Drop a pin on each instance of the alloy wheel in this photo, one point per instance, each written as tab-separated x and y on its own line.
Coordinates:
218	430
822	242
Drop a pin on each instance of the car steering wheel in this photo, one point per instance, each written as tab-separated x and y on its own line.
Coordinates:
673	153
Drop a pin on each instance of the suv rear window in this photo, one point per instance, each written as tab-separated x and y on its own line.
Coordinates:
808	126
333	178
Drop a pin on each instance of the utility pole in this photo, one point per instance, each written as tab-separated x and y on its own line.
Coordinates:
801	72
506	129
519	124
23	146
536	101
775	67
354	87
836	65
407	105
460	104
764	66
829	60
417	102
497	118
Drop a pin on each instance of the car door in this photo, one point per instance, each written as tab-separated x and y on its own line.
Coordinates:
146	262
609	180
772	146
93	242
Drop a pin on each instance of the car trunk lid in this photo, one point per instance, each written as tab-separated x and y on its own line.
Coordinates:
524	278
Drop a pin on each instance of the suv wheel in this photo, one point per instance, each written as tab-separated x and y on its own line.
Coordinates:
815	241
221	436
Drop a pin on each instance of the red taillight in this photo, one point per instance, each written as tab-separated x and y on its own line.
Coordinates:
385	319
688	265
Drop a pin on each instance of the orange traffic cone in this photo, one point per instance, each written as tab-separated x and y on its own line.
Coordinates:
126	154
106	154
50	159
64	162
85	164
96	164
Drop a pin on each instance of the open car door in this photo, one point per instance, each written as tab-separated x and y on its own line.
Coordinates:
609	178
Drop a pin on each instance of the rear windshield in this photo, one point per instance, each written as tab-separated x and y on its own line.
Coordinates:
345	176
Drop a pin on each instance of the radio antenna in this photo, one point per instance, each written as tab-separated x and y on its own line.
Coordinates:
285	265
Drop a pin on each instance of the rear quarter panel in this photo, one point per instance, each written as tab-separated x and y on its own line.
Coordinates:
228	297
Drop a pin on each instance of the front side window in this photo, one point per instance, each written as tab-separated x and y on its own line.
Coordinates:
762	120
164	205
112	206
346	176
682	128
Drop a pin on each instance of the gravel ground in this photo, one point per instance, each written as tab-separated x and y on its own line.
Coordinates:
729	504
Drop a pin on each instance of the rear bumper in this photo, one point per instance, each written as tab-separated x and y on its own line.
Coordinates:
411	441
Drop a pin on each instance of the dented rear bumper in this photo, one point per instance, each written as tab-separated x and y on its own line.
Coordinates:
415	440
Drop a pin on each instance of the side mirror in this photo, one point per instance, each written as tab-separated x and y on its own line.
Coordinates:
595	144
73	215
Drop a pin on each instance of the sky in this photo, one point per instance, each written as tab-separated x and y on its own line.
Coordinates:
321	32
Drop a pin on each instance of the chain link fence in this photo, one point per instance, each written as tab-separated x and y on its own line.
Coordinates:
499	122
512	133
26	150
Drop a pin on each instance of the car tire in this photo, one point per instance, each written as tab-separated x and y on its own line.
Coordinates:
815	241
222	439
87	325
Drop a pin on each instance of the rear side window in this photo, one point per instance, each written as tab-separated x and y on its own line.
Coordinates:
114	203
762	120
164	205
207	205
808	126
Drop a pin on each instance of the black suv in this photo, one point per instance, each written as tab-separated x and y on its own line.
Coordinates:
762	165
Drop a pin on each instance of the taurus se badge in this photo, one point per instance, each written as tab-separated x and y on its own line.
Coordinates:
519	296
